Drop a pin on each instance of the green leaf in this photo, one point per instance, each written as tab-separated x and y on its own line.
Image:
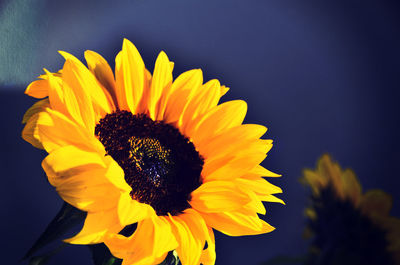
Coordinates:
43	259
67	218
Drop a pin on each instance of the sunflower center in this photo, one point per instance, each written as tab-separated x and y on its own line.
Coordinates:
160	164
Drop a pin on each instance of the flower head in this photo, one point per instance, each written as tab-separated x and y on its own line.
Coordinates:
147	149
349	226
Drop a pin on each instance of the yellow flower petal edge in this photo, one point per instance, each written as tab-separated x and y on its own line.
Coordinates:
375	204
96	164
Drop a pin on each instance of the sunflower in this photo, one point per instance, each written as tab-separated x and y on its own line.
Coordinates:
346	221
144	149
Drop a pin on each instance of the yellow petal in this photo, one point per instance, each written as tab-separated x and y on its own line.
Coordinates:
208	256
56	94
161	81
205	98
79	188
263	172
180	92
77	103
351	186
259	186
144	101
238	148
77	175
157	234
30	133
225	142
95	227
238	223
87	90
131	211
71	171
255	203
224	90
69	157
47	73
230	168
39	106
57	130
376	202
130	75
87	196
196	223
211	165
38	89
227	115
119	245
190	231
218	196
100	97
68	56
270	198
115	174
102	71
315	181
330	170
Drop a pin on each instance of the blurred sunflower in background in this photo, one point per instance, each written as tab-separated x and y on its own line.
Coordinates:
145	149
346	225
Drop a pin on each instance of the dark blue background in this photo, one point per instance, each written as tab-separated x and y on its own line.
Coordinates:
323	76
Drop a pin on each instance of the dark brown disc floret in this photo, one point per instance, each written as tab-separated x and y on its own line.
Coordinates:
160	164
